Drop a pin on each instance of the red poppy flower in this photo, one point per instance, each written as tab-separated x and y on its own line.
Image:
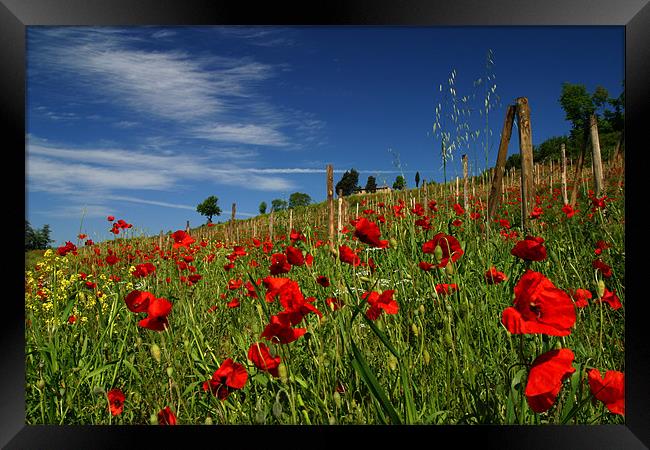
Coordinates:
142	270
580	297
433	205
260	355
115	401
347	255
110	218
279	330
157	312
610	390
229	377
545	378
279	264
89	242
418	210
182	239
194	277
493	276
537	212
368	233
166	416
234	303
600	246
598	264
309	260
380	302
504	223
426	266
448	244
138	301
72	319
294	256
475	215
69	247
539	308
530	249
611	299
446	289
296	236
459	209
323	281
569	211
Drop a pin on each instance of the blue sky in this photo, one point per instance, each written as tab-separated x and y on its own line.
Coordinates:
143	123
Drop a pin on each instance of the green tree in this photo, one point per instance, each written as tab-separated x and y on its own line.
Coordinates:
37	239
348	182
298	199
278	205
371	184
417	179
400	183
263	208
209	208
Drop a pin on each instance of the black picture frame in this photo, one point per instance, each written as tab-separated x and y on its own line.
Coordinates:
634	15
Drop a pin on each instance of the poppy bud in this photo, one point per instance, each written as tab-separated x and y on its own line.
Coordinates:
138	341
437	253
334	252
392	362
421	309
415	330
332	421
557	346
426	356
208	420
277	409
260	417
282	372
601	288
448	308
366	279
153	419
393	242
448	339
155	352
98	390
170	371
337	399
300	402
40	383
449	268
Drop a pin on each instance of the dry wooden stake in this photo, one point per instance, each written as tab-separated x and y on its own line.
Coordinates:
595	156
497	183
330	203
526	151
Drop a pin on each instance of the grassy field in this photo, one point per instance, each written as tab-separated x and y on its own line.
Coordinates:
435	350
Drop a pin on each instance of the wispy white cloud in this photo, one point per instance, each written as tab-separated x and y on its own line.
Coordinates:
243	134
66	170
206	96
150	202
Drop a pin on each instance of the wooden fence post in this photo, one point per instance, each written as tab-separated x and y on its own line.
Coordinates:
187	227
290	219
340	216
578	171
465	183
330	202
499	168
595	156
271	226
565	199
526	151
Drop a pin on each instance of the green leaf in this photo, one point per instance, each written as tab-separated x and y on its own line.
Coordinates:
360	365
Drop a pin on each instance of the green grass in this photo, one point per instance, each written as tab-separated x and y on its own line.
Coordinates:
439	360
